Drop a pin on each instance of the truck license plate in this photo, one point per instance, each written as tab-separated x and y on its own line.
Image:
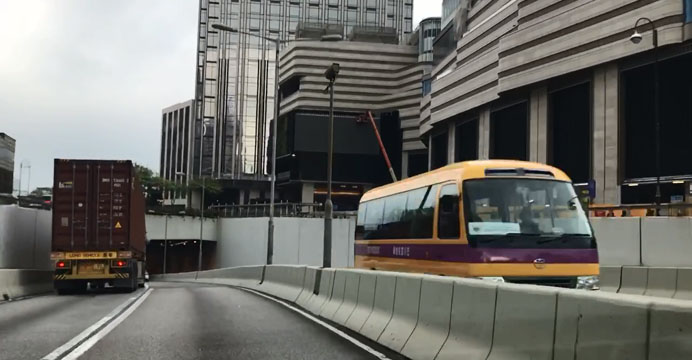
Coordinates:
94	268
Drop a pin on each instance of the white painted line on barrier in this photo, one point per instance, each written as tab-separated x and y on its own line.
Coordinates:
60	352
89	343
331	328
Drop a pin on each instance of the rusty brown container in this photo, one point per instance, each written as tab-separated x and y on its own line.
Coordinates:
98	205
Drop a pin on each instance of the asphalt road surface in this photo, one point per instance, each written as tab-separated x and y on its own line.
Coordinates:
168	321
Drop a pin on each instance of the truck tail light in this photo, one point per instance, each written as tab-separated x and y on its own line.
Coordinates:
118	263
62	264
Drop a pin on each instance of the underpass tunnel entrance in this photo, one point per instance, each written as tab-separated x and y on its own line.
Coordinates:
639	130
181	256
569	131
509	132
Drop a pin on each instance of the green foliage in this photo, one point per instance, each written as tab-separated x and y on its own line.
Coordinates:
211	186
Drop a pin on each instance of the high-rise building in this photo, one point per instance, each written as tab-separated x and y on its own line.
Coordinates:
176	143
7	144
234	92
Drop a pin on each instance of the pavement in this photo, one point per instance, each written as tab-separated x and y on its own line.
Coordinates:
173	321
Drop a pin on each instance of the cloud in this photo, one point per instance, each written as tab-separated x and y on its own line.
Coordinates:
88	79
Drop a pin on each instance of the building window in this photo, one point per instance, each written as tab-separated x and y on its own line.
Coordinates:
509	132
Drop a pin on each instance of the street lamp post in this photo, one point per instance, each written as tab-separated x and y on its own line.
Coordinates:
331	73
636	38
165	231
277	43
201	230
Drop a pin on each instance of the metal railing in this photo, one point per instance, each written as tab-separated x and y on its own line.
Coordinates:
640	210
262	210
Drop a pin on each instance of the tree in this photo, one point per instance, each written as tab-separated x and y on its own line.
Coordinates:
153	186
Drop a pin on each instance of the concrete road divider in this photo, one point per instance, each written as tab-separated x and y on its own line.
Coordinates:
383	306
245	276
634	280
524	322
683	289
350	297
366	298
434	312
610	278
670	330
600	325
332	305
619	240
471	321
661	282
19	283
405	314
324	292
309	286
283	281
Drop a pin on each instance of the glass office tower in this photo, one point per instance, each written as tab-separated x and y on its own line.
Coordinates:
234	90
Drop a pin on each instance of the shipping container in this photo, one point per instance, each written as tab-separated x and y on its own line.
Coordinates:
99	234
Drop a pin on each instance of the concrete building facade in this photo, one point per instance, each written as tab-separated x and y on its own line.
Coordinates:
7	147
376	75
234	93
560	82
177	140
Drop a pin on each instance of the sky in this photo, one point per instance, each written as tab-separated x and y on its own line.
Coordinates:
88	79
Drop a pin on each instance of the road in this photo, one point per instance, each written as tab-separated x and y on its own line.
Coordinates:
169	321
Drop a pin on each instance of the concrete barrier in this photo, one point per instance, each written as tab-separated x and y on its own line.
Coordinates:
610	278
432	326
283	281
670	330
683	290
471	322
634	280
324	292
366	298
524	322
593	325
666	241
383	306
19	283
350	297
309	286
618	240
244	276
661	282
405	314
332	305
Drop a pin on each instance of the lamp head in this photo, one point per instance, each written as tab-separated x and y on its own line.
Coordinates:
636	37
332	72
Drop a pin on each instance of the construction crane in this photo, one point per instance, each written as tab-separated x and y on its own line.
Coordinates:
364	118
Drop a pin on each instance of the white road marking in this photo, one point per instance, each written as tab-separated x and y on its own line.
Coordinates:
331	328
90	342
59	352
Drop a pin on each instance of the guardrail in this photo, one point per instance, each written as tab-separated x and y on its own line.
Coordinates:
641	210
433	317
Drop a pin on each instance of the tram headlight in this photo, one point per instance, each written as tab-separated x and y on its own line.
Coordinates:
588	283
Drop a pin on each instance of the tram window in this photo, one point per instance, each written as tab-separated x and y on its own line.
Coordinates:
423	214
373	219
392	226
448	214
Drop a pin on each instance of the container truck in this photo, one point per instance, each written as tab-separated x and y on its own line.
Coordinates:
99	235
